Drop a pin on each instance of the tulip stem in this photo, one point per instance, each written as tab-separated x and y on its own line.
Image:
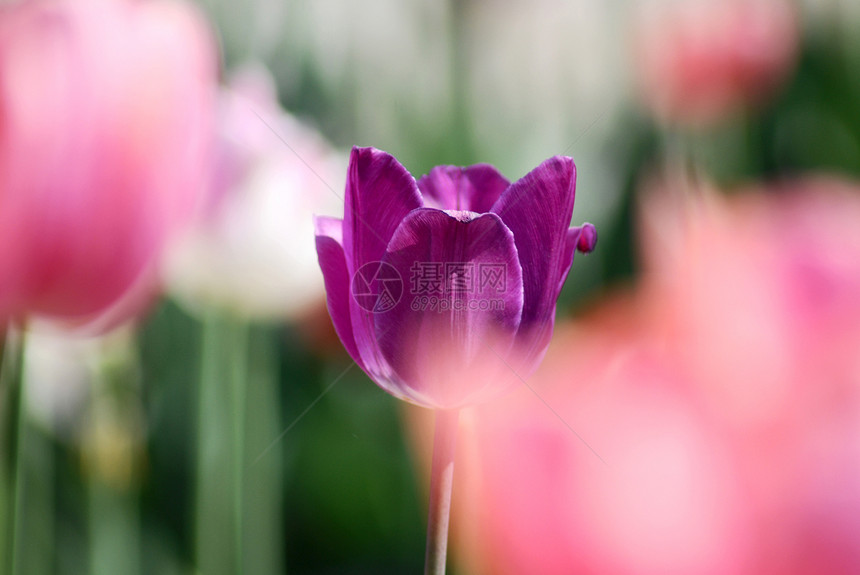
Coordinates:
220	513
441	484
11	421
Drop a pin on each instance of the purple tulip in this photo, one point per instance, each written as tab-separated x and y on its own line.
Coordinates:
444	290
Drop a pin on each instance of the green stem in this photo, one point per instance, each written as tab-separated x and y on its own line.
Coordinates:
11	420
239	382
441	484
262	505
114	523
114	447
221	446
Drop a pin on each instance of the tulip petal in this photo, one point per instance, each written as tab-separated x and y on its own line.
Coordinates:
380	192
473	189
538	209
579	239
329	237
587	240
460	310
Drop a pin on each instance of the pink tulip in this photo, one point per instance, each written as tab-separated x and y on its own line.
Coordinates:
667	499
771	281
105	109
707	423
700	60
760	303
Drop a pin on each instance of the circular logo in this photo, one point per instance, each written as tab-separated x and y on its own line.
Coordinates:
377	287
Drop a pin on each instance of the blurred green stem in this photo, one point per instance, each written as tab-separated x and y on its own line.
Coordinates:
114	529
441	485
114	457
239	384
34	505
220	446
262	505
676	153
11	419
681	163
238	515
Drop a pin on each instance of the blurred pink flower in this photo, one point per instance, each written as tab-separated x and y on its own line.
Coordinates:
252	250
105	109
723	395
770	279
700	60
760	304
667	500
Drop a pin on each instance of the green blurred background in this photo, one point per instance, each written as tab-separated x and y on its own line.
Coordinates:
131	480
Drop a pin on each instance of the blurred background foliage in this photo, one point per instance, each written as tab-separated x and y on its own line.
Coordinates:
113	489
